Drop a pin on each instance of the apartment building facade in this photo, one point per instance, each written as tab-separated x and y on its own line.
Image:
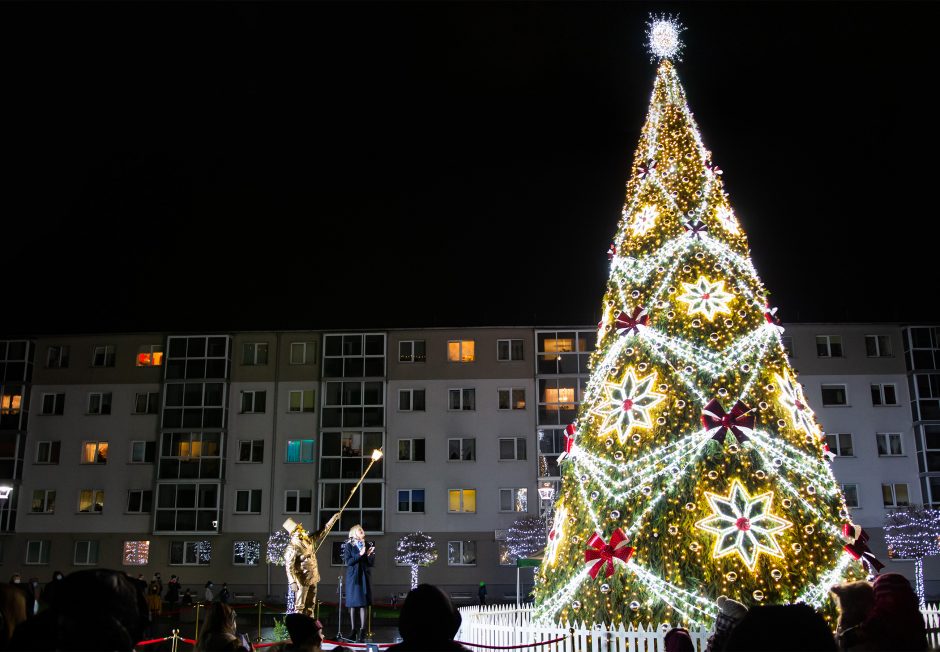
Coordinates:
183	453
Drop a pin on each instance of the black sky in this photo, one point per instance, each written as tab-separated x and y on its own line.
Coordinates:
180	166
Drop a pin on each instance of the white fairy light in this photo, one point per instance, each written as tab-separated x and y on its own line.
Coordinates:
663	37
416	549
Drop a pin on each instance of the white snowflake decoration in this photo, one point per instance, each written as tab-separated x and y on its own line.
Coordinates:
556	534
727	219
644	220
743	524
663	37
628	404
706	297
791	397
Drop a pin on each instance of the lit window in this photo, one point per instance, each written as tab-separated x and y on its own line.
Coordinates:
91	501
10	403
461	553
514	500
505	557
460	350
558	345
889	443
559	398
301	400
150	355
841	444
136	553
95	452
462	501
299	451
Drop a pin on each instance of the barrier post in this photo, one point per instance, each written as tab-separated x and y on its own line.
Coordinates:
369	618
259	639
198	606
571	632
176	639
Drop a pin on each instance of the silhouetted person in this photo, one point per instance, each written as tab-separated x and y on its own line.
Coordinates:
218	632
678	639
12	612
428	621
781	628
895	621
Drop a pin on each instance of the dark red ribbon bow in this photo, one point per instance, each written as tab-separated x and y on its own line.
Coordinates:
696	228
646	169
625	323
738	421
611	251
858	547
601	553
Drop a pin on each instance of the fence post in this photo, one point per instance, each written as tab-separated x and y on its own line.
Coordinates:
571	633
176	639
198	606
259	639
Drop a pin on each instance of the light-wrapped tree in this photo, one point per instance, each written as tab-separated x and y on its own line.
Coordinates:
696	467
416	549
914	533
526	537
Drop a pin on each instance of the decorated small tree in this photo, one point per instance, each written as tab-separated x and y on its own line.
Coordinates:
696	467
914	534
274	554
416	549
526	537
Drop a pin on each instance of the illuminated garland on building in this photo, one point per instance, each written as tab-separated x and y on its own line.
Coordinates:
914	533
277	544
414	550
526	537
694	449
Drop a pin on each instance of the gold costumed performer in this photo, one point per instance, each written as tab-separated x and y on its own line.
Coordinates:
300	561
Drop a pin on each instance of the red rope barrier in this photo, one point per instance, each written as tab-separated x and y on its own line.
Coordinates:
188	640
154	640
513	647
345	644
257	645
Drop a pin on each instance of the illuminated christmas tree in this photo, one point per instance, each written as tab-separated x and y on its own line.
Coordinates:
695	468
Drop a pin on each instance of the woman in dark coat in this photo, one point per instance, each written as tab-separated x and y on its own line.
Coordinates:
358	559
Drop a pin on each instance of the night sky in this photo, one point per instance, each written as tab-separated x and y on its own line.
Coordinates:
186	167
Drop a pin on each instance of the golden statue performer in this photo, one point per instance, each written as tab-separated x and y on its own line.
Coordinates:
300	561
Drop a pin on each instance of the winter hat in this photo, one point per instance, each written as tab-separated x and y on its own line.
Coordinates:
731	608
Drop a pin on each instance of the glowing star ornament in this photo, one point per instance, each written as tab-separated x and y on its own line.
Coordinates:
706	297
743	524
791	397
556	534
628	404
644	220
663	37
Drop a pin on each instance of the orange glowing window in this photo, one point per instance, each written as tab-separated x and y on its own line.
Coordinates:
150	356
559	398
460	350
10	403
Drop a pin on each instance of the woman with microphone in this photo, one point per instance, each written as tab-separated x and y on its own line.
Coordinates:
358	556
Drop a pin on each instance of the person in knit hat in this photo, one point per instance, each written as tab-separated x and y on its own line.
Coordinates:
730	612
895	621
678	639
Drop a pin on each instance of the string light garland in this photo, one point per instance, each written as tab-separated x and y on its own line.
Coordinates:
416	549
914	533
277	545
746	506
526	537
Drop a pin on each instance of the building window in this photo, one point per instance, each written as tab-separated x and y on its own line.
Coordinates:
146	402
298	501
564	352
878	346
47	452
834	395
197	358
411	400
248	501
460	350
10	403
52	404
462	501
895	495
187	507
344	456
103	356
57	357
192	406
139	501
37	552
354	355
787	343
150	355
246	553
91	501
299	451
511	398
255	354
551	443
889	443
187	455
142	452
462	399
43	501
190	553
829	346
303	352
509	350
850	491
411	351
558	394
253	401
251	451
462	449
511	448
411	450
354	404
94	452
515	499
301	400
411	500
99	403
883	394
505	557
86	553
461	553
841	444
136	553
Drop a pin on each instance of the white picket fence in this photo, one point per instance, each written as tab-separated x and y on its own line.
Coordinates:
505	625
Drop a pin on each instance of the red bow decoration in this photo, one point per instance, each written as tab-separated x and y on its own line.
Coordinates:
738	421
571	431
695	228
611	251
645	170
714	168
601	553
625	323
858	546
770	316
828	454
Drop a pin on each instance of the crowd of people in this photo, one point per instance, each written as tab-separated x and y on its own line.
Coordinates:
99	609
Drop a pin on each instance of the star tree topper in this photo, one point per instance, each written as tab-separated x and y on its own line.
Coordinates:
743	524
628	404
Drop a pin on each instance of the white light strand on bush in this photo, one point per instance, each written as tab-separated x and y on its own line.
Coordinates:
547	608
277	544
818	593
526	537
689	604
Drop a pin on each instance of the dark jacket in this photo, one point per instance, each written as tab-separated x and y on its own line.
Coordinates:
358	575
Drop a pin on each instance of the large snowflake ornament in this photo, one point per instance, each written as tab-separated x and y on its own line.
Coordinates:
644	220
791	398
628	404
727	220
743	524
706	297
